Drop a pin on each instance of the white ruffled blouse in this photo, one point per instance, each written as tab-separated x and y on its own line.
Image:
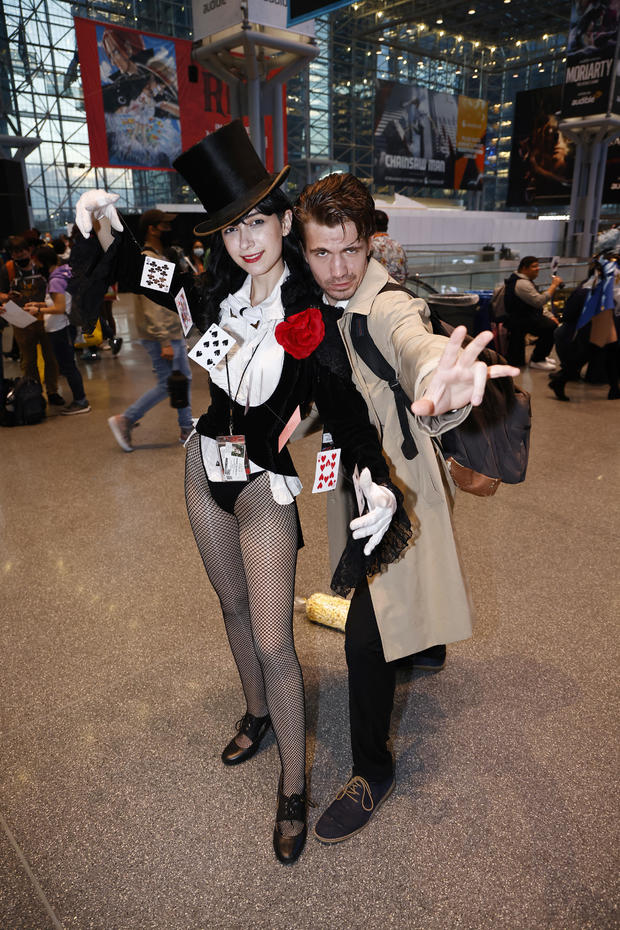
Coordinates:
254	371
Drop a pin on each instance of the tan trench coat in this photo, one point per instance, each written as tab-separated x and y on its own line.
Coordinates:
423	599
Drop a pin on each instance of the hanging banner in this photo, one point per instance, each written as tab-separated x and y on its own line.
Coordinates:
145	100
423	137
541	157
591	59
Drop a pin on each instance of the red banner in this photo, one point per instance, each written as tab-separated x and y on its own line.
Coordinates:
146	101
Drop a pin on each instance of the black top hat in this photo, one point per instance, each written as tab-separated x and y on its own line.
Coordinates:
226	175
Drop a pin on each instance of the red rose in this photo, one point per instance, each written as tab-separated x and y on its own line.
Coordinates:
301	333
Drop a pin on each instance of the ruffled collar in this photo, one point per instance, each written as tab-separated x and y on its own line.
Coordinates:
239	303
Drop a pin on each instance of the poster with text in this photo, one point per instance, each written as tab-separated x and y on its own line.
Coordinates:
591	58
423	137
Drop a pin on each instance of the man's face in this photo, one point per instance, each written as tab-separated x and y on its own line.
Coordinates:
338	258
21	256
532	271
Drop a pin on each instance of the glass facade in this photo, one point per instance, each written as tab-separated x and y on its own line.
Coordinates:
42	96
330	107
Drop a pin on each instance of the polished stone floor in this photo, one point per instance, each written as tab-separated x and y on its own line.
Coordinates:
118	692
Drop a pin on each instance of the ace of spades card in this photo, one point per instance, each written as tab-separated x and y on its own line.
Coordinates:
212	347
326	474
157	274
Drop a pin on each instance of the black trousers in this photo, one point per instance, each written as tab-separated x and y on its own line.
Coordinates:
372	681
542	327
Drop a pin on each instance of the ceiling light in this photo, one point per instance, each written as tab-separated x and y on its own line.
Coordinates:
471	12
439	21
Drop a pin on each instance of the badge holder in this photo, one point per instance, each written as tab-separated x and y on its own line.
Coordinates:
233	457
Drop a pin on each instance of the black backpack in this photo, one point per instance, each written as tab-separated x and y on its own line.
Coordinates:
24	404
491	445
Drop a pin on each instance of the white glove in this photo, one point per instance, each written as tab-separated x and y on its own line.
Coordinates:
96	205
381	508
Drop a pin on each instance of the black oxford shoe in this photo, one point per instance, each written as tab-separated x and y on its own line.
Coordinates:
252	727
288	848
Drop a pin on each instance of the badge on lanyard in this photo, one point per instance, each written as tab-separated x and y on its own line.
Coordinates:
233	457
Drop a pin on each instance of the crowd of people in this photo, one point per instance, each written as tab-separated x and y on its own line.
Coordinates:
35	275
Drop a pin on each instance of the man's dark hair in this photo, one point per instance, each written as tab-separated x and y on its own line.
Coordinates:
334	201
17	244
527	262
381	220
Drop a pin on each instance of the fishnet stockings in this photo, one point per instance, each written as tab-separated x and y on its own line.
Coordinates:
250	558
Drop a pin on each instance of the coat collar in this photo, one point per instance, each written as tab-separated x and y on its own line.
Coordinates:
375	278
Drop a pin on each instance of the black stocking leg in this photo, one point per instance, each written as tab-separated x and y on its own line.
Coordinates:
269	537
250	559
217	537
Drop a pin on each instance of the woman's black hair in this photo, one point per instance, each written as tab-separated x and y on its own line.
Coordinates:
224	277
46	256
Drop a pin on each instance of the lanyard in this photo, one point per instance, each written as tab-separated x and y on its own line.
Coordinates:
233	400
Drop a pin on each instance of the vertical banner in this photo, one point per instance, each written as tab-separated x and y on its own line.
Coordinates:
591	59
423	137
541	157
144	99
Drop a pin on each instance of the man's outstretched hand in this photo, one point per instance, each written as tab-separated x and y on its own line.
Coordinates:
460	379
95	205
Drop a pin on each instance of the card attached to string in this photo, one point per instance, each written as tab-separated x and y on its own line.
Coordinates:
212	347
359	494
184	314
157	274
326	473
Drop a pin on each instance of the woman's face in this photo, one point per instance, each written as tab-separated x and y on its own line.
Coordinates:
255	242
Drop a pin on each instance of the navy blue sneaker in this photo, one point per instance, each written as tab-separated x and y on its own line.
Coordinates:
352	809
432	659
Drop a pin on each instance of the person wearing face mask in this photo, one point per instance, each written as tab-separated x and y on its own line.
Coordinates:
26	284
54	312
161	335
198	257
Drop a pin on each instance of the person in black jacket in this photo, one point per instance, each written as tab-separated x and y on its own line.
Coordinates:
240	480
524	306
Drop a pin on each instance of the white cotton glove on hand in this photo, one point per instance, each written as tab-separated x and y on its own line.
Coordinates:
381	508
94	205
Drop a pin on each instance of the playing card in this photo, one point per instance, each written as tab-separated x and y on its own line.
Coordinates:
184	314
157	274
212	347
359	494
326	473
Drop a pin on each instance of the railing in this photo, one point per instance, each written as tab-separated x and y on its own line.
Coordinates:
485	276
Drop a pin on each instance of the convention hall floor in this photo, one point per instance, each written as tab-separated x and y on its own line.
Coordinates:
118	693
